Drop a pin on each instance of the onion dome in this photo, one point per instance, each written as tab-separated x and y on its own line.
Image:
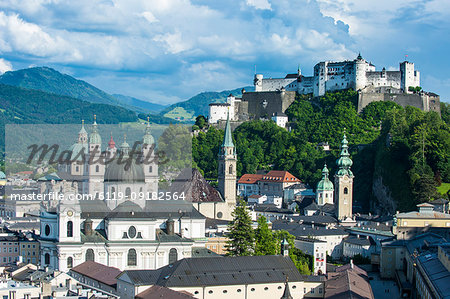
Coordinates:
111	143
95	136
325	184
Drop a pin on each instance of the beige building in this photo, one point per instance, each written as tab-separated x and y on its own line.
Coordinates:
426	217
223	277
217	244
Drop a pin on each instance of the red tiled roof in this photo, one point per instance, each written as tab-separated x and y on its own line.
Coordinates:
280	176
250	178
99	272
156	292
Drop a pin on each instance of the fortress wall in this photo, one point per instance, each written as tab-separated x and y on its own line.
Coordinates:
276	101
424	102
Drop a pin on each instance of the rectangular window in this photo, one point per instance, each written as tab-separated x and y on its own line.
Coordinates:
312	290
320	290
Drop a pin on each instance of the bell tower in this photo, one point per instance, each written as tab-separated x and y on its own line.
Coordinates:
227	167
343	181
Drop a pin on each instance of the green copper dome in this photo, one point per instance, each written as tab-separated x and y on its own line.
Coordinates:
148	138
325	184
2	175
344	162
95	136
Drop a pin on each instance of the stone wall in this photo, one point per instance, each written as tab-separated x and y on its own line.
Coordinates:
265	104
423	101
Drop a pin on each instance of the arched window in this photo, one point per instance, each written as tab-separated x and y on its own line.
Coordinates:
70	229
173	256
69	262
90	255
47	259
128	192
230	170
132	257
97	168
345	190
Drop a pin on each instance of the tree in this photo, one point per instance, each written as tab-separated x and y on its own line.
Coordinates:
200	121
241	237
302	261
265	243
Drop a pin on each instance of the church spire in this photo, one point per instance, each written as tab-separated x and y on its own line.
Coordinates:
148	138
344	162
228	140
95	136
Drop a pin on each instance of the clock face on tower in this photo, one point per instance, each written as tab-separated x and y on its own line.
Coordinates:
69	213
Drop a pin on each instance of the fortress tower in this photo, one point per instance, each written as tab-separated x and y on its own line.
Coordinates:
409	77
343	180
227	167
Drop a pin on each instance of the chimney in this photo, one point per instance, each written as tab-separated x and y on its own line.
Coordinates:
378	223
367	237
170	226
312	224
351	263
88	227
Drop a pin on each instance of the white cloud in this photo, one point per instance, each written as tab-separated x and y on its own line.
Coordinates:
259	4
149	17
5	66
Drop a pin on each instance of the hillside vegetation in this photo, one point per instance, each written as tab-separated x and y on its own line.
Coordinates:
26	106
404	147
199	104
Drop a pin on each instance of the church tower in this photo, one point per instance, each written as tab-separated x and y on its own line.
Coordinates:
227	166
325	189
95	166
149	160
343	180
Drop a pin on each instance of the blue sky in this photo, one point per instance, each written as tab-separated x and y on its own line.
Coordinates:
169	50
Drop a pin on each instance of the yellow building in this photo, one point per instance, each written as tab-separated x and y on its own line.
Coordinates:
217	244
424	218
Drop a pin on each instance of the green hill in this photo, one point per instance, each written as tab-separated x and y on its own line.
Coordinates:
26	106
199	104
139	105
51	81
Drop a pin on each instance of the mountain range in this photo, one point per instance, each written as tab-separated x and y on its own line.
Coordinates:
51	81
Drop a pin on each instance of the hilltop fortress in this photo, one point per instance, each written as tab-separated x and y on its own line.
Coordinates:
274	95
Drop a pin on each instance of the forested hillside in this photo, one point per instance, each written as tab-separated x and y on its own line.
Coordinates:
403	152
26	106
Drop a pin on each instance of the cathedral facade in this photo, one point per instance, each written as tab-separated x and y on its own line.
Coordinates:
114	225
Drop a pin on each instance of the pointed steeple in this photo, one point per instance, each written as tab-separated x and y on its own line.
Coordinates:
111	143
95	136
82	134
287	292
344	162
228	140
148	138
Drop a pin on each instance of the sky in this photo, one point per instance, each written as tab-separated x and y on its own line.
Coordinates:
166	51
